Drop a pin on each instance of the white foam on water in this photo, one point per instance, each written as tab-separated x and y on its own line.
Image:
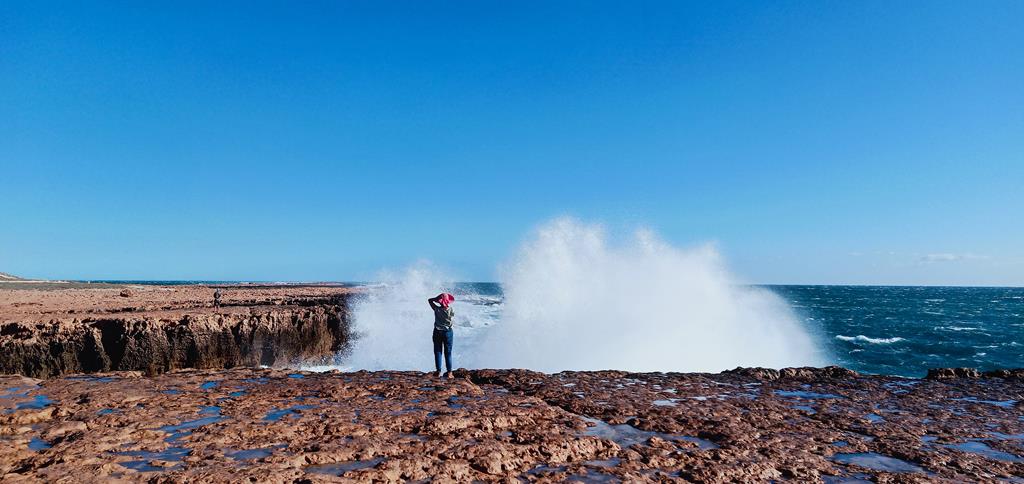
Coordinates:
574	300
391	322
959	328
865	339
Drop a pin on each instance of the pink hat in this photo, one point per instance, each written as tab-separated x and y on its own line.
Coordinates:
447	299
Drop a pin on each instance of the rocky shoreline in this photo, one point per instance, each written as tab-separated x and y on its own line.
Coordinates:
189	404
153	329
750	425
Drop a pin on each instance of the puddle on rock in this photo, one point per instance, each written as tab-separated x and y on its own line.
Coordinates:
627	435
1002	436
874	418
614	462
16	392
296	375
591	477
339	468
144	464
805	394
209	410
854	479
807	408
982	449
278	414
894	385
998	403
37	402
546	469
38	444
878	462
664	403
210	385
185	428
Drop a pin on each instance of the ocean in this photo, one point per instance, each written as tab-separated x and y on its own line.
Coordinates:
872	329
889	330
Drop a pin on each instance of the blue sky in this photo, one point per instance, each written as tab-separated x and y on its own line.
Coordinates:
814	142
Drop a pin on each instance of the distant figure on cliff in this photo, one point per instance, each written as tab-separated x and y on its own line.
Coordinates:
216	298
443	336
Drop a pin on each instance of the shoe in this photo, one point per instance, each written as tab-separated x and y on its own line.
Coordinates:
437	374
451	375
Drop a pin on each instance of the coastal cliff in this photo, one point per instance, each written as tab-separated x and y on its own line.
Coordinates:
45	334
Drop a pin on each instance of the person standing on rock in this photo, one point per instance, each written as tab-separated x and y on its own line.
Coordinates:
216	298
443	336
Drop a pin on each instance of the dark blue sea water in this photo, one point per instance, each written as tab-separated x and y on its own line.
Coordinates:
907	330
890	330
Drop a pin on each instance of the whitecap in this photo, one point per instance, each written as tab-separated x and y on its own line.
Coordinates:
958	328
865	339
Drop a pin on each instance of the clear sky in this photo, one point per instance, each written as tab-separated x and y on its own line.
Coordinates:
815	142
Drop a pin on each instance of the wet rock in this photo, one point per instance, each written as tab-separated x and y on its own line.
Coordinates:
767	374
510	425
947	373
1011	373
806	373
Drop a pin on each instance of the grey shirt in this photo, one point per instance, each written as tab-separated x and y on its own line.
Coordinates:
443	318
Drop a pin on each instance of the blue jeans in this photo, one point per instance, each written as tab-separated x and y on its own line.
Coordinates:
443	340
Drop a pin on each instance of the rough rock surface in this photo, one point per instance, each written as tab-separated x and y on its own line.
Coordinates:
746	425
45	333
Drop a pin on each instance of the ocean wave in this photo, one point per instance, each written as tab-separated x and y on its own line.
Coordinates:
865	339
958	328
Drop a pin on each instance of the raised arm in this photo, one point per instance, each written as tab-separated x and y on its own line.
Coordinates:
433	302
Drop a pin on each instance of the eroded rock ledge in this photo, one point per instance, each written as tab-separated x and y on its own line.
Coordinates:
747	425
150	329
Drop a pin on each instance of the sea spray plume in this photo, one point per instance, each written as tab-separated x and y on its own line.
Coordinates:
572	301
392	322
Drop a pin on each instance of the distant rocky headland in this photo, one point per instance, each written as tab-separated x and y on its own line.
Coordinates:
156	384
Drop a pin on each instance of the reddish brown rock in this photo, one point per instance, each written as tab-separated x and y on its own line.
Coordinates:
55	332
509	425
